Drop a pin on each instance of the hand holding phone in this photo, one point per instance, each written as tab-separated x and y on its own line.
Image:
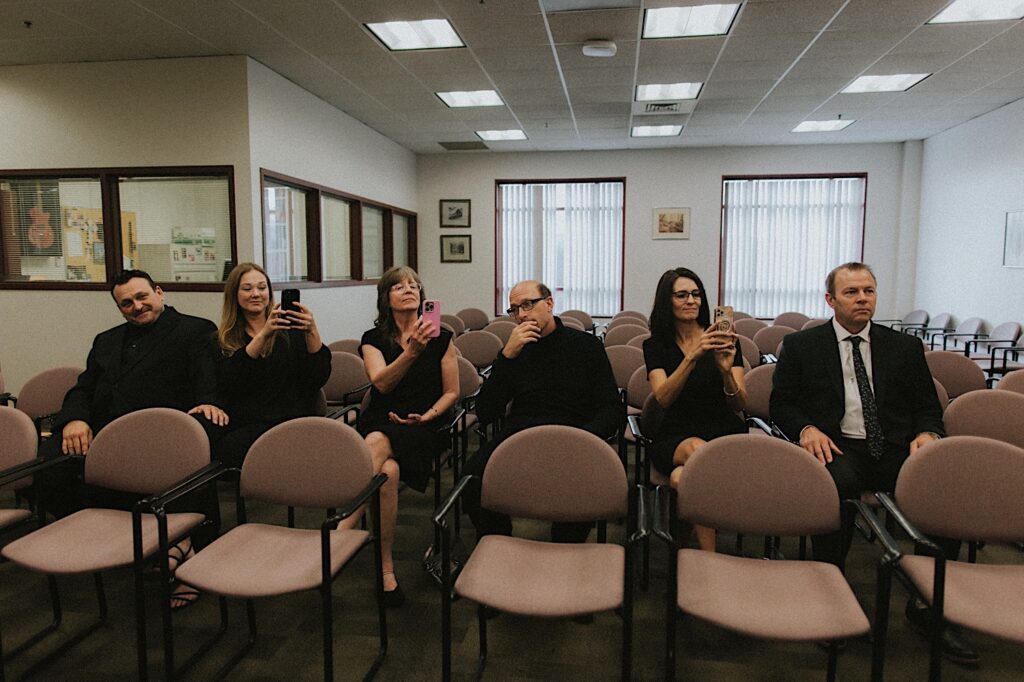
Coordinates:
432	312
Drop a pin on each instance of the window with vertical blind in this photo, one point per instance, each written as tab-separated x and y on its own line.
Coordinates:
782	235
77	228
567	234
322	236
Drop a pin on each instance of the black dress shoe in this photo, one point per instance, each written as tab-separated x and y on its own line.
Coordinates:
954	646
394	598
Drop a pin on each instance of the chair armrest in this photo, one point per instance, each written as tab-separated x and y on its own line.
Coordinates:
950	335
449	501
892	550
451	424
371	489
33	466
664	497
768	359
339	411
346	397
919	538
761	424
633	421
976	343
7	399
156	504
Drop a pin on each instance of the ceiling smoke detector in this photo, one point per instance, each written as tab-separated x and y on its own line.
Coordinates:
599	48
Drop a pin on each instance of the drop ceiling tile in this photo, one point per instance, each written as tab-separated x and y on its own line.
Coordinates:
785	15
680	50
599	79
45	23
576	27
692	72
866	14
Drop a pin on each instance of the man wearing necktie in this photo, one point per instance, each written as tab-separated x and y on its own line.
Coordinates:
859	397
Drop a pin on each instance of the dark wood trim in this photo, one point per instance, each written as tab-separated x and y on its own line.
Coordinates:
314	238
622	272
110	191
356	244
387	240
413	235
306	184
498	247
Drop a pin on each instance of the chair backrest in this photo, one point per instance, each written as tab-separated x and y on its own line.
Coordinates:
307	462
630	320
624	360
958	373
998	415
555	473
749	350
43	394
1014	381
638	341
737	315
573	323
941	393
942	321
345	346
479	347
501	328
18	439
448	327
916	317
651	416
635	314
347	374
622	334
769	338
964	487
749	326
814	322
638	388
972	325
759	390
747	483
147	451
469	378
455	322
1007	331
473	318
791	319
584	318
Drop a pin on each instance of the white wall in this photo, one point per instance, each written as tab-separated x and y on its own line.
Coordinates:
657	178
297	134
972	175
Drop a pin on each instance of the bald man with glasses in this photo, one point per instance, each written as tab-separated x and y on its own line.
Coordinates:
550	374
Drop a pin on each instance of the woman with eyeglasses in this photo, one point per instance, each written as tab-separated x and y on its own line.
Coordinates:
696	375
415	383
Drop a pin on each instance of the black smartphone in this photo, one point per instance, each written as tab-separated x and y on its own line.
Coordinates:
288	299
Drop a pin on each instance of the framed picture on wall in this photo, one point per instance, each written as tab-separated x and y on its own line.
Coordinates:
456	248
1013	240
671	223
455	213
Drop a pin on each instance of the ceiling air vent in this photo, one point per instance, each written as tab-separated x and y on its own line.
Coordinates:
664	108
463	146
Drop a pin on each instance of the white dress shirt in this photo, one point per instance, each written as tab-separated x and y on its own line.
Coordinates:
852	424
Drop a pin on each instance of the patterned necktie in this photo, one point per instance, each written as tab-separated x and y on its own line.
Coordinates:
876	442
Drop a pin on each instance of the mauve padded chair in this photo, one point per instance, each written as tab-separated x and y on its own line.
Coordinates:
18	440
1014	381
635	314
637	390
345	346
638	341
346	385
968	330
572	323
147	451
621	335
773	488
474	318
915	318
479	347
455	322
998	415
625	360
549	473
748	327
759	392
307	462
629	319
769	339
737	315
981	480
814	322
582	317
43	394
749	350
941	323
955	371
501	328
791	319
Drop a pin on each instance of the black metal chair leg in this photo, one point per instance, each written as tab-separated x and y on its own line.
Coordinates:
833	660
328	631
481	618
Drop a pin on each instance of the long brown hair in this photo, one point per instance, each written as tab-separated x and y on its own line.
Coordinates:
231	332
385	321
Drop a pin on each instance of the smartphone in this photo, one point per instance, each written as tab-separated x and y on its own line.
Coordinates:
432	312
288	300
723	318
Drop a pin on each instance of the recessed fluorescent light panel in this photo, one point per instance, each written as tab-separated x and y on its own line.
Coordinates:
682	22
897	82
429	34
822	126
661	92
497	135
656	131
471	98
980	10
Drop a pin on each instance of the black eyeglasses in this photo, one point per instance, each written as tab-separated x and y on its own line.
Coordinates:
683	295
526	306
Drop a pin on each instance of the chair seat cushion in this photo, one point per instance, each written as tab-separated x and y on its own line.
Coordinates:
259	560
545	579
9	517
93	540
782	600
984	597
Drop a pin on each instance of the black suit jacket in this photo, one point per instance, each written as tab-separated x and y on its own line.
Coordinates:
808	385
177	370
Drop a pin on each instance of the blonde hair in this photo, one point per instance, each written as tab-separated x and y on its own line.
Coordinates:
231	332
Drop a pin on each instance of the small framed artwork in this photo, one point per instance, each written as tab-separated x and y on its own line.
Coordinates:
1013	240
455	213
671	223
456	248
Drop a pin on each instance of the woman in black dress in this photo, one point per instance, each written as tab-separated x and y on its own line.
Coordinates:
415	379
696	375
272	362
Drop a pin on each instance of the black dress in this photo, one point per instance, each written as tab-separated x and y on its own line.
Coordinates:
260	393
700	408
414	445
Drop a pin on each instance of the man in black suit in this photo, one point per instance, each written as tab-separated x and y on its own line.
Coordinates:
859	397
158	358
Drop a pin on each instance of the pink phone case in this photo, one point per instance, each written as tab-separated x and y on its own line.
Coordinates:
432	312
